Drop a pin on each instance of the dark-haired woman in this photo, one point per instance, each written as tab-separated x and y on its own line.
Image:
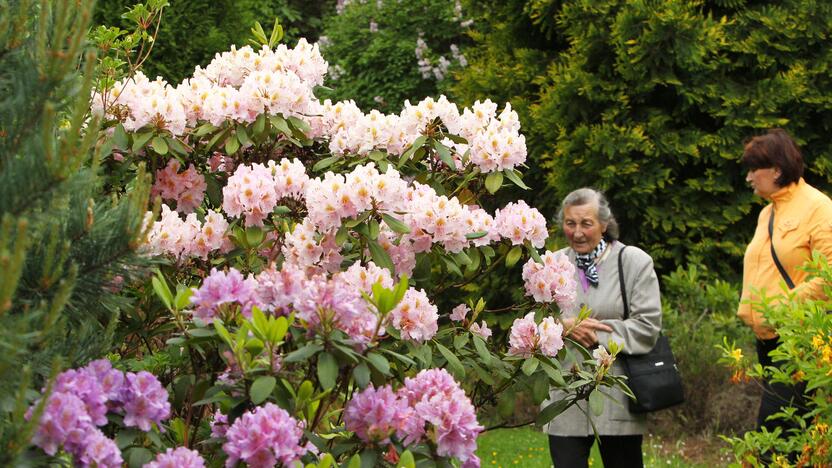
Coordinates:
796	222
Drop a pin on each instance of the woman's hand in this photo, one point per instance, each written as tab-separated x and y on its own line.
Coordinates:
585	332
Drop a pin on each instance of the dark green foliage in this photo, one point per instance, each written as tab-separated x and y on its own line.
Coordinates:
651	102
380	70
192	31
65	245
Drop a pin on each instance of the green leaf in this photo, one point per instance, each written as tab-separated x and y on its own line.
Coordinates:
300	124
327	370
159	145
232	144
202	332
394	224
379	362
355	461
514	176
242	135
325	163
204	129
530	365
223	332
177	146
361	374
476	235
493	182
444	154
513	256
160	285
262	388
596	402
380	256
455	366
280	124
120	139
549	412
450	263
259	125
139	140
139	456
373	229
482	350
533	253
304	353
406	460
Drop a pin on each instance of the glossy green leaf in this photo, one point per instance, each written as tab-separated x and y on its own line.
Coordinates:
493	182
262	388
327	370
514	256
454	365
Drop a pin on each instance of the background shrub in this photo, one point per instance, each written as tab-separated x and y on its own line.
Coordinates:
651	102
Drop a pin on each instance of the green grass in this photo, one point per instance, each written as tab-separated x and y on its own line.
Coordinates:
528	447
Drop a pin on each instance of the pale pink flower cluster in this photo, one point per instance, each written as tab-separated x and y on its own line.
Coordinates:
337	197
415	317
221	288
527	337
181	457
264	437
250	192
148	103
189	238
519	222
80	401
430	405
186	188
363	278
290	178
276	289
310	250
324	305
440	403
553	280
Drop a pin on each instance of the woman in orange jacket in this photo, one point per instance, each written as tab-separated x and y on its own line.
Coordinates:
796	222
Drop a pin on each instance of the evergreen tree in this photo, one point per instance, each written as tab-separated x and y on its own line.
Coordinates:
65	243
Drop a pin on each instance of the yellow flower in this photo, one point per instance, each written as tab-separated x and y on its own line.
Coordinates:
736	354
827	354
817	341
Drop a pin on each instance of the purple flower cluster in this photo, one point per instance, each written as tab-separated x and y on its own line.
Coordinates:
182	457
220	288
263	437
431	399
80	401
324	304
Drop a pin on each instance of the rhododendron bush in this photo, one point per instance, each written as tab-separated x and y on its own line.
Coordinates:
306	243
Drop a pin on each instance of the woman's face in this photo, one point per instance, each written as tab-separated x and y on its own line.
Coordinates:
763	181
582	228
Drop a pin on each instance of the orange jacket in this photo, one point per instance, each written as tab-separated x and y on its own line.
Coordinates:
802	224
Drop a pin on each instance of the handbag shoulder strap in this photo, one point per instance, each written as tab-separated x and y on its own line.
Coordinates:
780	268
621	283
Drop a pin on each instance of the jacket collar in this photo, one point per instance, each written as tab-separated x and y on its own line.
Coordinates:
787	193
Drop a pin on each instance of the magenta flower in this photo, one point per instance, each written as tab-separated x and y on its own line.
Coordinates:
64	421
263	437
181	457
219	426
375	414
145	401
99	451
223	288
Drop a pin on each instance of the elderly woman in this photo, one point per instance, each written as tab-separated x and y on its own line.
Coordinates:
797	221
592	233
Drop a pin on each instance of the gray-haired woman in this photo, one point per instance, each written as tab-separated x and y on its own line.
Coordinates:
592	232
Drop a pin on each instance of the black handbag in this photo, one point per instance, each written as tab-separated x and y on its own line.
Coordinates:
653	377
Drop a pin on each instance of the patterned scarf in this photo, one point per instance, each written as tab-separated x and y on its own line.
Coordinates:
586	262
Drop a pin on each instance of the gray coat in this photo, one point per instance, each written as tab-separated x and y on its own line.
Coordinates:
638	335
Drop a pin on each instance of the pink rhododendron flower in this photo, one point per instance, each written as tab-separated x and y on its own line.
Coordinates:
523	336
481	330
64	421
181	457
264	437
145	401
519	223
186	188
415	317
459	312
553	280
376	414
551	336
99	451
250	192
221	288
